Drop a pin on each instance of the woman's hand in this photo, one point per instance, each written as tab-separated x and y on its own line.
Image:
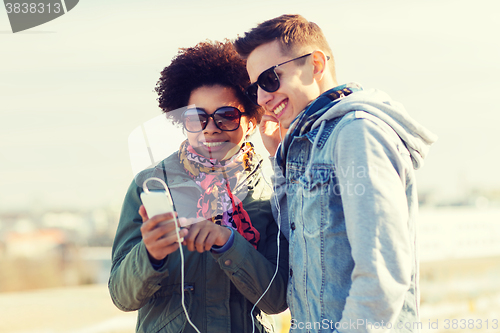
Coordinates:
158	234
204	234
270	129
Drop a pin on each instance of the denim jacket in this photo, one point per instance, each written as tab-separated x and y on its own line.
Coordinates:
351	202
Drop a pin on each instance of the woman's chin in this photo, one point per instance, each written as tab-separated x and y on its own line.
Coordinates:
221	153
218	153
225	154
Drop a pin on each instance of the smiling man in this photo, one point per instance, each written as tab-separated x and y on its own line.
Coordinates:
344	175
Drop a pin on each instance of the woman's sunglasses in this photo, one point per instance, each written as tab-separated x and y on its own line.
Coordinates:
226	118
268	80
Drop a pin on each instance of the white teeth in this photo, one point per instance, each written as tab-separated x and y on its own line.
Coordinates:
279	108
212	144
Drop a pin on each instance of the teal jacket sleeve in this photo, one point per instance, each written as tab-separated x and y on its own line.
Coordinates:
133	279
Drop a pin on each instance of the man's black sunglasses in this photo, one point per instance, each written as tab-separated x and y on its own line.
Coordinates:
226	118
268	80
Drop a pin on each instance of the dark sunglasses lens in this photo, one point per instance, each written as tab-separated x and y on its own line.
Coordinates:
194	120
269	81
251	92
227	119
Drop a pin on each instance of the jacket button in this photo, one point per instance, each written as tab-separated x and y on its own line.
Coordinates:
291	272
293	226
228	262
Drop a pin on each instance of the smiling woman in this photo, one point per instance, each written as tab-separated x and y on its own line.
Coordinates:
215	180
222	137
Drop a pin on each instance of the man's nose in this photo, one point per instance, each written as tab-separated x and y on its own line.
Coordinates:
263	97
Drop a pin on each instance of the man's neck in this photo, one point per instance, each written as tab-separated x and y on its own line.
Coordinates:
327	83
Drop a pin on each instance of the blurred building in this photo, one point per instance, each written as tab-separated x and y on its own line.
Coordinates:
55	248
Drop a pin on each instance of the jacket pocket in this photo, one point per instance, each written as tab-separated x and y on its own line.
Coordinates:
164	313
173	323
315	181
315	191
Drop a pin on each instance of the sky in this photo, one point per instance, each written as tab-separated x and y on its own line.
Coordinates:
74	90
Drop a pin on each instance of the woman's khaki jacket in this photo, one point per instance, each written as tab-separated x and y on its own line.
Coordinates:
219	289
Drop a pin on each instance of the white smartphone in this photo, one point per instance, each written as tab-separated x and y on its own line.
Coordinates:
158	202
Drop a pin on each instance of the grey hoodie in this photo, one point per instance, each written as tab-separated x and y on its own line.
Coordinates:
377	103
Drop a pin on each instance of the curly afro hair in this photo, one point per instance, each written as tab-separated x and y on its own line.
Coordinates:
206	64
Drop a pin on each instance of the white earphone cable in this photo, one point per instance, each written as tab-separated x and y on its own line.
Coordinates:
277	204
181	252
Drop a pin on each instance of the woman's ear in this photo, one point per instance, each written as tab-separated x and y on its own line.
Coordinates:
251	128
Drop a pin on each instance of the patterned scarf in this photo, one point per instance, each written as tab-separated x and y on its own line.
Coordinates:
216	178
304	121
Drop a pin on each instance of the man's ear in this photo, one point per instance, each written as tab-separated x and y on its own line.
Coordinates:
320	64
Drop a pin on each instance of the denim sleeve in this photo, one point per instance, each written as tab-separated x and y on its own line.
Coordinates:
279	204
376	217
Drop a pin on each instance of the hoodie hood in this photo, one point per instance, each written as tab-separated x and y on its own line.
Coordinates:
417	138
